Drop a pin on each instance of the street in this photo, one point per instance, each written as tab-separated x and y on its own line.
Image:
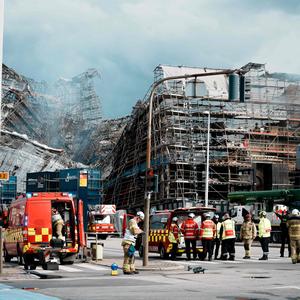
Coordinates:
239	279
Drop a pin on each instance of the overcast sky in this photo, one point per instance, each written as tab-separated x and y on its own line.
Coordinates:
126	39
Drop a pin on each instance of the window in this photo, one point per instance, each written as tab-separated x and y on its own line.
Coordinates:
159	221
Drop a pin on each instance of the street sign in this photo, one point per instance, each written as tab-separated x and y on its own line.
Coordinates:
4	175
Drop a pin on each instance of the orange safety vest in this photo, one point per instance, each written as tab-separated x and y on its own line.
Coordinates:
228	229
208	230
190	229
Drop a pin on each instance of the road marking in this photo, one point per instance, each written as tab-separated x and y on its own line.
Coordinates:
287	287
92	267
69	269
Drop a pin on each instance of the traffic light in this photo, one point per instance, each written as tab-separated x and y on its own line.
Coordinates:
152	181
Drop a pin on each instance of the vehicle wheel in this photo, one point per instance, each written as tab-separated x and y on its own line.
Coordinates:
7	258
26	267
141	251
162	253
44	266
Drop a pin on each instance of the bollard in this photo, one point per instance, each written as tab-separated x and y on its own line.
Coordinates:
114	269
1	250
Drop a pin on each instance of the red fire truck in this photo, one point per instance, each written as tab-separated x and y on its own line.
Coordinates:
30	235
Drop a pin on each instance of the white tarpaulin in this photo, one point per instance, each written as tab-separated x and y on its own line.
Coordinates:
216	86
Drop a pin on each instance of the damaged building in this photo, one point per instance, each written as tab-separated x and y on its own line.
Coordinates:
252	138
49	127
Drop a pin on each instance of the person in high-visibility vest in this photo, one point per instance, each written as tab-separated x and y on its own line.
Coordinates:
293	225
227	234
128	243
217	241
207	235
190	230
248	234
264	234
174	237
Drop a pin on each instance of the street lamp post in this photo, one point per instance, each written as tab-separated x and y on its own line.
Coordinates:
207	159
148	149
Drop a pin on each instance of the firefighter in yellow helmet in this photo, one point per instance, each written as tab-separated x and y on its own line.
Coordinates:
264	234
293	225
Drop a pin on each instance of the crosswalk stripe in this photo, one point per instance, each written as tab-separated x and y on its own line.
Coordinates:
69	269
92	267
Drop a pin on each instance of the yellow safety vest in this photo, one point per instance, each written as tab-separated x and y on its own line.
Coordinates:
264	228
228	229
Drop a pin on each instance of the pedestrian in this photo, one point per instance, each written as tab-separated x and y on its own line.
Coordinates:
227	234
207	235
284	232
174	237
57	223
264	234
190	231
128	243
217	242
293	225
248	234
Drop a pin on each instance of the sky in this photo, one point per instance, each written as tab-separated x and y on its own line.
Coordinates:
126	39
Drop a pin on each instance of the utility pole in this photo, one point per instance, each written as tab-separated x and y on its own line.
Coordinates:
148	149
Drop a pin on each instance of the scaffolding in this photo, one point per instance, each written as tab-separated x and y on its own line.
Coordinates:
252	143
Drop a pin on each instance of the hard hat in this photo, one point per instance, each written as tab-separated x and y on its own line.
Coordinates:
141	215
206	215
191	215
295	212
262	214
216	216
175	219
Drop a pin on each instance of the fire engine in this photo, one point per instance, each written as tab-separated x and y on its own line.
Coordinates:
30	235
160	223
101	220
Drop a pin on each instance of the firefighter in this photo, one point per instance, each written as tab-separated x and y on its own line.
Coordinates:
57	223
190	231
227	234
293	225
248	234
284	232
128	243
174	237
216	241
264	233
207	235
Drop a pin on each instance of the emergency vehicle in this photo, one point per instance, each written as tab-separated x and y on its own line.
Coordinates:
101	220
159	228
30	235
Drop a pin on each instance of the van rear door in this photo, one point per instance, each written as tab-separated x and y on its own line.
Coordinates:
39	221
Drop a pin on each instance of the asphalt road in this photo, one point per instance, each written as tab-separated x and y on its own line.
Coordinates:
252	279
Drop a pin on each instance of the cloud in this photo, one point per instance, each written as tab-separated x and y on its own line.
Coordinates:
126	39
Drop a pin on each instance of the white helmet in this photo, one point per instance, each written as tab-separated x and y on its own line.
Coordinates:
141	215
206	215
216	216
191	215
175	219
262	214
295	212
